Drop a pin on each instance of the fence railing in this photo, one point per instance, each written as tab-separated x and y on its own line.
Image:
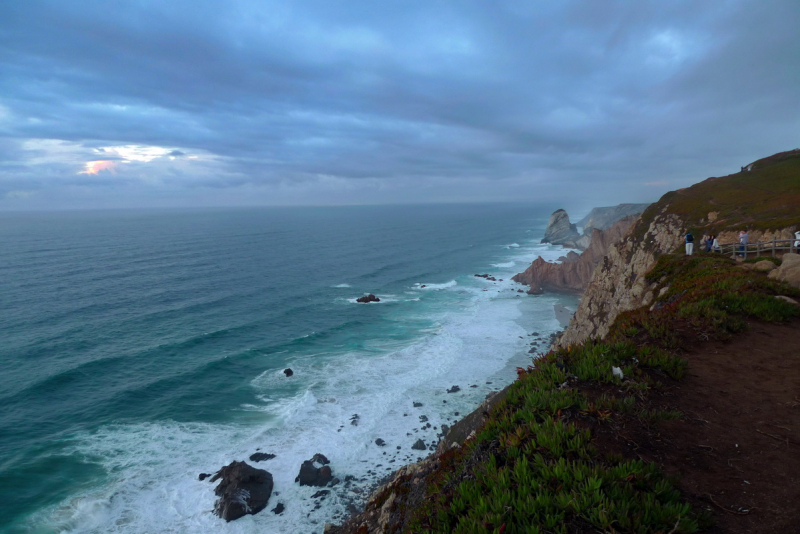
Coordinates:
759	248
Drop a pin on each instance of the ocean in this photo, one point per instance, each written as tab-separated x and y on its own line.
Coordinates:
141	348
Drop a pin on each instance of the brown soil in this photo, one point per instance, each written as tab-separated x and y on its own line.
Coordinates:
737	448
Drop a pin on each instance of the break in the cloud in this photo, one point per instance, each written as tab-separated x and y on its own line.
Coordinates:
273	102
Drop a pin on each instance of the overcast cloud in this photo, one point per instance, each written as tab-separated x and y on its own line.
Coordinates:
256	102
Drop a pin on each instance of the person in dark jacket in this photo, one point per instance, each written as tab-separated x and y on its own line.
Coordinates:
689	243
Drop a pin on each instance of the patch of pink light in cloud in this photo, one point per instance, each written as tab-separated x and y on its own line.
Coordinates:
94	167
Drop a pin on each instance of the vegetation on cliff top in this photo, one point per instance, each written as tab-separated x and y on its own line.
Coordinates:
534	466
762	198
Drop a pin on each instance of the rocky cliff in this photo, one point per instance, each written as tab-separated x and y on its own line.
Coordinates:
763	200
602	218
574	271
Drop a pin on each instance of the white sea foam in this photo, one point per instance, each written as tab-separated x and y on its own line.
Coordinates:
430	287
342	285
512	245
153	467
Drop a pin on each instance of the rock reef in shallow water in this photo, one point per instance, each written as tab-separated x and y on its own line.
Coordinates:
242	490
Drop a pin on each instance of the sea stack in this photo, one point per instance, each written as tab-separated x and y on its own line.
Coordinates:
560	231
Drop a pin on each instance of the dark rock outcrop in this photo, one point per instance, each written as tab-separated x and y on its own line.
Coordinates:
575	271
311	475
243	489
368	298
261	456
288	372
419	445
560	231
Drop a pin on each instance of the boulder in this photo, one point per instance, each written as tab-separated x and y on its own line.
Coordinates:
559	230
288	372
764	266
789	270
419	445
243	489
311	475
261	456
368	298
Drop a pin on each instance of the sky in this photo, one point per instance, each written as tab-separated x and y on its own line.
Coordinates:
144	103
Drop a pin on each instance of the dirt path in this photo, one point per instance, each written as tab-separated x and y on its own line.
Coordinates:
737	449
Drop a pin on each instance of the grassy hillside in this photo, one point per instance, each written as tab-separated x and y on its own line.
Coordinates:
765	197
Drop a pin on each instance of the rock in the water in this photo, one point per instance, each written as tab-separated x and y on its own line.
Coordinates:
202	476
288	372
454	389
419	445
417	404
243	489
278	509
559	230
320	459
379	442
311	475
261	456
368	298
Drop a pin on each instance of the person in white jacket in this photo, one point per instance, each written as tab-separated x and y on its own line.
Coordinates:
797	242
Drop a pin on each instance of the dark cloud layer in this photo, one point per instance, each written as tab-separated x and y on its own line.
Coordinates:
239	102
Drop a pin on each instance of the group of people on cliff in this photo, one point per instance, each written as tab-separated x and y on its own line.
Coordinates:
707	243
711	243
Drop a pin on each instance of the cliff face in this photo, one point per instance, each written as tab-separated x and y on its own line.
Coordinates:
575	271
618	283
602	218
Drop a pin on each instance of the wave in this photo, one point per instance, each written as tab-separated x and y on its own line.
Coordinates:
445	285
505	265
512	245
342	285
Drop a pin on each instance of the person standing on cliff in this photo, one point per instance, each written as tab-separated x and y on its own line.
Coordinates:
743	243
709	242
689	243
715	244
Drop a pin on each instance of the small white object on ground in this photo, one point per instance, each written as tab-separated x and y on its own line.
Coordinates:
617	372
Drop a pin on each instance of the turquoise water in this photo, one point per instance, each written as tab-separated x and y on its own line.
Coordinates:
141	348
